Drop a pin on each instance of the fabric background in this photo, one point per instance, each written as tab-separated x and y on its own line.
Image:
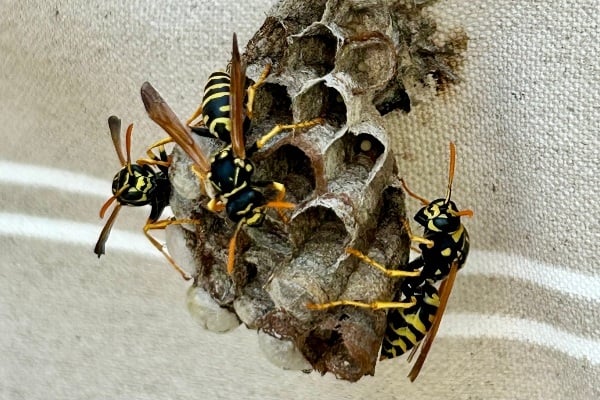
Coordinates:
523	320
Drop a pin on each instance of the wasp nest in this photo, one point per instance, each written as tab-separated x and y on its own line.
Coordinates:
350	62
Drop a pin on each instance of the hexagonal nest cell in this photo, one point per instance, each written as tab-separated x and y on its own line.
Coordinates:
314	51
349	62
322	100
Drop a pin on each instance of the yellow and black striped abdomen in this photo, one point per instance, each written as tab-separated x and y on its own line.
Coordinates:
215	106
407	327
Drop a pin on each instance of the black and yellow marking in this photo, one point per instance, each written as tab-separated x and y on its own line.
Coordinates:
138	184
230	170
444	247
407	327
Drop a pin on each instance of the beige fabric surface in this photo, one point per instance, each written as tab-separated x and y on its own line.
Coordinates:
523	320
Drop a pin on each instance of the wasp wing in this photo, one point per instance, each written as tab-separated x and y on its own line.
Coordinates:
236	101
114	124
444	293
161	113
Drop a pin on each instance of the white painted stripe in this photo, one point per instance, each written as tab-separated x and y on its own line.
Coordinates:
77	233
462	325
489	263
467	325
54	178
486	263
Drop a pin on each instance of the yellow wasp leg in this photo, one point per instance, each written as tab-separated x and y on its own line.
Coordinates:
376	305
194	115
278	200
215	206
162	224
153	159
392	273
280	128
251	91
415	238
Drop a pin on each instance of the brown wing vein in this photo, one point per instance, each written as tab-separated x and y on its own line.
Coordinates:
161	113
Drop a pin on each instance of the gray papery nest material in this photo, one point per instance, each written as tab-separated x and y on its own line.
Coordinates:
352	62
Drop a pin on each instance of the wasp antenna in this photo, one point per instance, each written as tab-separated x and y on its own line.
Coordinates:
128	147
114	124
99	248
111	200
412	194
451	170
465	213
106	205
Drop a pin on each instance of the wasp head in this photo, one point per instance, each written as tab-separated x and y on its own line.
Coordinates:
133	185
439	216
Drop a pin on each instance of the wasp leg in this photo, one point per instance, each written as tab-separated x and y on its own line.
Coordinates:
279	188
251	91
392	273
162	224
215	206
232	247
279	199
376	305
194	115
162	159
412	194
414	238
202	176
278	204
280	128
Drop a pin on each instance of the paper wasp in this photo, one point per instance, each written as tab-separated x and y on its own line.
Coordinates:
145	182
229	171
416	312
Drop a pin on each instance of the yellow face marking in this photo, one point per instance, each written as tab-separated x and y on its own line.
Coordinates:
446	252
431	226
432	211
